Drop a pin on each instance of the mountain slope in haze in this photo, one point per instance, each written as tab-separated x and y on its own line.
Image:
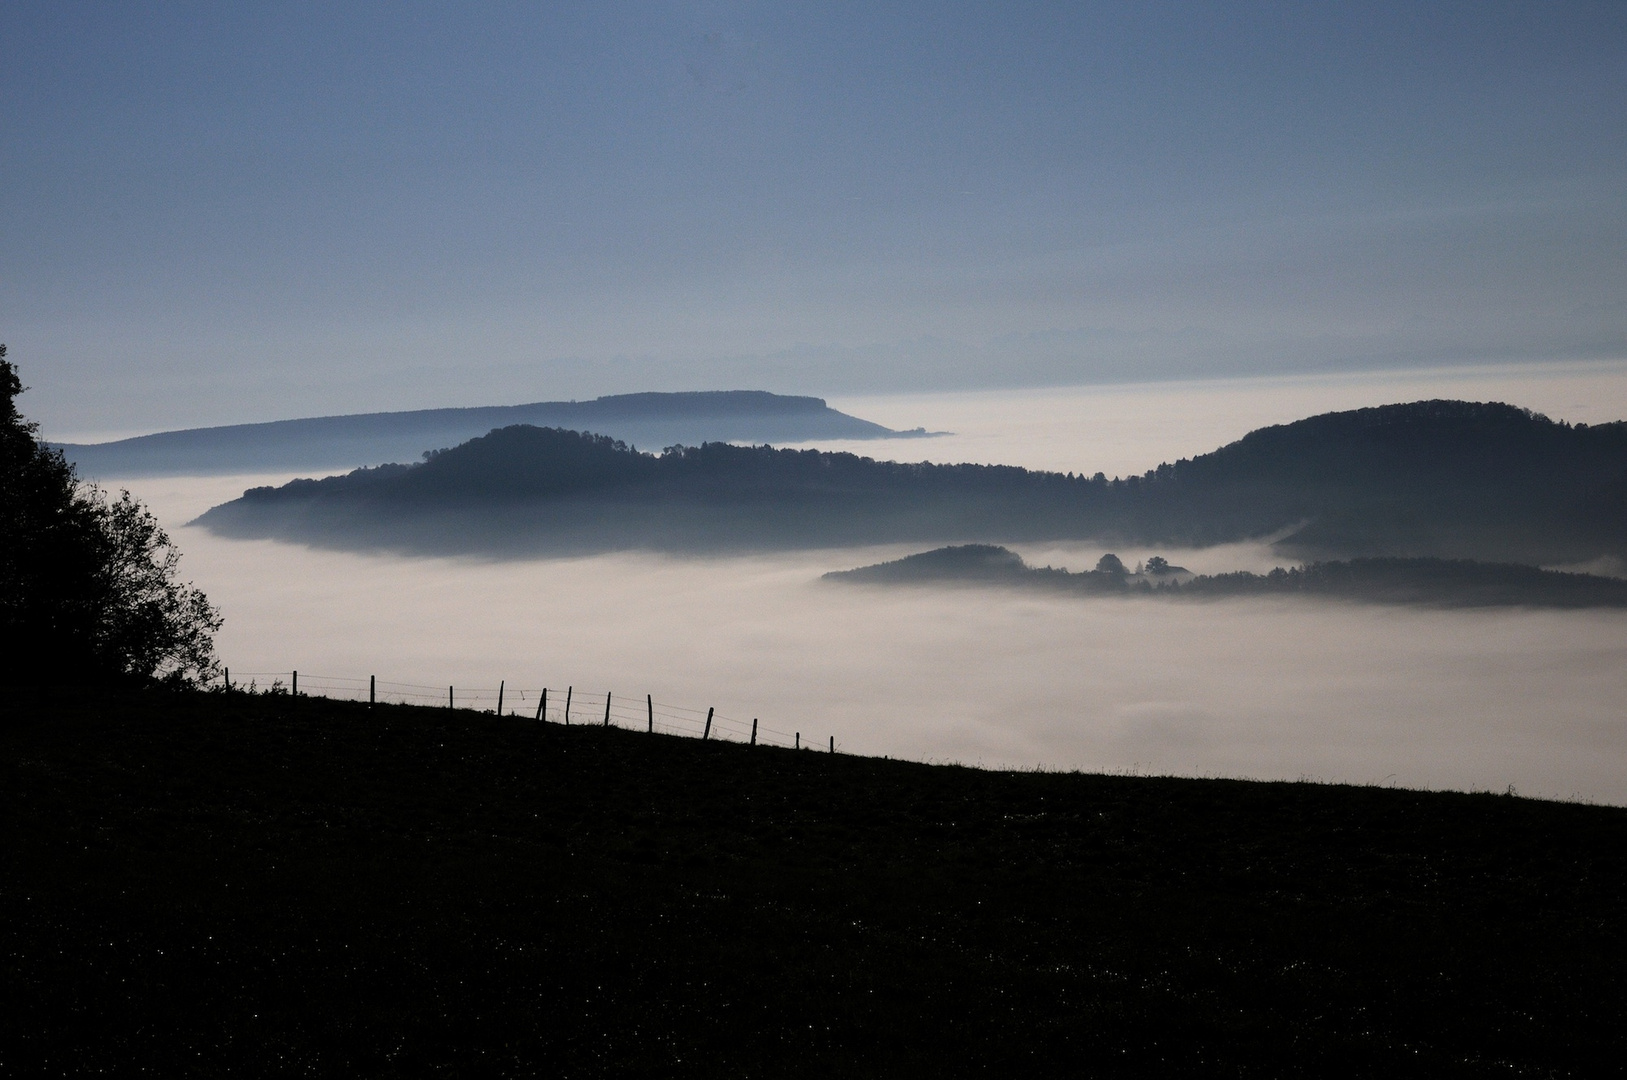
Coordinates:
521	490
374	438
1431	582
1438	479
1432	478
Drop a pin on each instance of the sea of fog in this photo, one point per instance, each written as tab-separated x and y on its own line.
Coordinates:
1257	688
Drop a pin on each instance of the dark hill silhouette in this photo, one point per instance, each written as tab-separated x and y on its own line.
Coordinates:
972	563
1433	582
524	489
372	438
1433	479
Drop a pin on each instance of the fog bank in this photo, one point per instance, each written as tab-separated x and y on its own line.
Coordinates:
1270	689
1237	688
1125	430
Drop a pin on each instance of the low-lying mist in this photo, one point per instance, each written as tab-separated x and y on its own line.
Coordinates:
1284	689
1123	430
1272	689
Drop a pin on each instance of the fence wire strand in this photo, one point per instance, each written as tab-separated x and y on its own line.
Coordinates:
587	707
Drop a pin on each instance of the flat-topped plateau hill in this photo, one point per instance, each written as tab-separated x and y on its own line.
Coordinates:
342	442
1429	582
227	884
1434	479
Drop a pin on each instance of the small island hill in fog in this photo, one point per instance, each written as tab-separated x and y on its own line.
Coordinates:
334	442
1455	583
1432	479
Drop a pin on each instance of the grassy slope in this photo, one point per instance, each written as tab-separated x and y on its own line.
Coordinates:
209	885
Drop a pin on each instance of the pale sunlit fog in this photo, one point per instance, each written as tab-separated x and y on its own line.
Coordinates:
1128	429
1271	689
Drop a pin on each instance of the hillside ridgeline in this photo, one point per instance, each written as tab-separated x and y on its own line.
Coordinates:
339	442
1436	479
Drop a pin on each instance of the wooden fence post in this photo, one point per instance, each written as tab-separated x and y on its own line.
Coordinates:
833	744
707	734
500	697
451	702
226	677
754	731
372	690
607	708
295	691
543	704
568	690
649	704
798	744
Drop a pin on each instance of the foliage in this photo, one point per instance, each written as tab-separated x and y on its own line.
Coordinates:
87	583
1441	479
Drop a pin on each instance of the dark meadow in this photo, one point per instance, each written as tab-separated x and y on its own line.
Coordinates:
258	884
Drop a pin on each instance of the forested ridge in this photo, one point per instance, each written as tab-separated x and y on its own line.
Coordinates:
1425	581
1429	479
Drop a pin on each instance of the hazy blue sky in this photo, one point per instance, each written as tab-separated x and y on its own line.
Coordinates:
214	212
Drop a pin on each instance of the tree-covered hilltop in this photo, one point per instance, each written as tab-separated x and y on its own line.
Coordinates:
524	462
1434	582
527	489
1441	479
1436	478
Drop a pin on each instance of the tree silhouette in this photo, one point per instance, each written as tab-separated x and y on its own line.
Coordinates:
87	583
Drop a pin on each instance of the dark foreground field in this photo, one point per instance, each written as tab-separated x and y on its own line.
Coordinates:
220	885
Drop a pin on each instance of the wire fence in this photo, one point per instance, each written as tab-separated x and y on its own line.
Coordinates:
568	705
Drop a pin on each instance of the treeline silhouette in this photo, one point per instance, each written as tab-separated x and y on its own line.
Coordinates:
87	583
523	489
1442	479
1434	582
1437	478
